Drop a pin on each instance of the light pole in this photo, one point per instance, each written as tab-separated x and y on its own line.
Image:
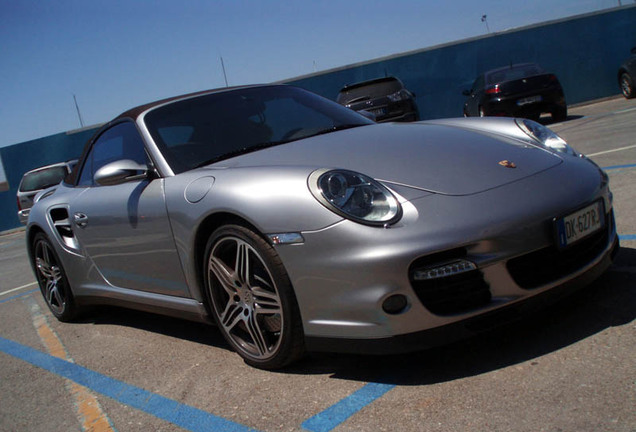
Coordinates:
484	19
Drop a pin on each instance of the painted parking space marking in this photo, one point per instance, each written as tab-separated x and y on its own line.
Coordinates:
24	294
611	151
184	416
89	412
328	419
18	288
619	167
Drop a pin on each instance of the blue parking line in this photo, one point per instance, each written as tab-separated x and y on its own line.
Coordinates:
184	416
341	411
627	237
24	294
618	167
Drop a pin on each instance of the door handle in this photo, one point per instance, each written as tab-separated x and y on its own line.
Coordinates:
80	219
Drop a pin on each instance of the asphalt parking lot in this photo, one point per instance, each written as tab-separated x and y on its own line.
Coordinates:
571	368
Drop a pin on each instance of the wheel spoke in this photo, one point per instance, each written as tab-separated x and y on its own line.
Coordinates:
224	275
266	302
44	268
54	298
242	266
231	316
256	334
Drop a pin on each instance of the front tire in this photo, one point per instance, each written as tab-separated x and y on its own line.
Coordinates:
251	298
627	86
560	114
52	280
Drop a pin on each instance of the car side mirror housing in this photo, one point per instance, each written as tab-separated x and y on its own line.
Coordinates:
466	92
121	171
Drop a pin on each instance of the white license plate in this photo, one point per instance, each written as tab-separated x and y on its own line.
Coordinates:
580	224
529	100
378	112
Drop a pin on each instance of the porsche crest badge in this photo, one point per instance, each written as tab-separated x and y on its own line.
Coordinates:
507	164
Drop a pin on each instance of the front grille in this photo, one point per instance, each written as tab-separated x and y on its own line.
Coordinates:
550	264
451	294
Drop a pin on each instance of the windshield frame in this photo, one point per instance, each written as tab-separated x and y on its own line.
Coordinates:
205	108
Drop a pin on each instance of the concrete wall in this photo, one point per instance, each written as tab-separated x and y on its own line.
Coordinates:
584	52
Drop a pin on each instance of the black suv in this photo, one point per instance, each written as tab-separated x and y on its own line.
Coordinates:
385	98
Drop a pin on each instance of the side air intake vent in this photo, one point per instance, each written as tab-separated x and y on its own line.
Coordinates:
62	224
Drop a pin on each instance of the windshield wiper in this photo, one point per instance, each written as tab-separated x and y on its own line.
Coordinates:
253	148
238	152
335	129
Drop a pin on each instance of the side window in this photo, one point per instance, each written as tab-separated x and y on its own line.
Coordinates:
122	141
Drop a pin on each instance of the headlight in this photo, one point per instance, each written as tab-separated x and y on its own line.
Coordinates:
545	137
355	196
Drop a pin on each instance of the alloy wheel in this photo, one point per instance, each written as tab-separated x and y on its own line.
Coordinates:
245	298
50	277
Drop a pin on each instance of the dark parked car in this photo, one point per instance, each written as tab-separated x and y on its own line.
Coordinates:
521	90
386	98
36	180
626	76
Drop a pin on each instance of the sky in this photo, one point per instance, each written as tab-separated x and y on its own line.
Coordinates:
113	55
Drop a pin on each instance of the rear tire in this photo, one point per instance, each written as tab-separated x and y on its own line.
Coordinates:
627	86
251	298
52	280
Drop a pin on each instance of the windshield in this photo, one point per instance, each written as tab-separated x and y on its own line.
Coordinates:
369	89
213	127
42	179
514	73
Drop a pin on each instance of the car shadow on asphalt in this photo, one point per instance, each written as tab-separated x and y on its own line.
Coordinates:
174	327
610	301
547	121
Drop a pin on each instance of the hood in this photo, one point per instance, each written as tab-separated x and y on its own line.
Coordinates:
431	157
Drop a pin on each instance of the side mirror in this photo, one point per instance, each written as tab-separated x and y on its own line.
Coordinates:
466	93
119	172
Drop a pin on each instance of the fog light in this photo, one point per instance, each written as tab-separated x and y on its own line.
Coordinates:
448	269
394	304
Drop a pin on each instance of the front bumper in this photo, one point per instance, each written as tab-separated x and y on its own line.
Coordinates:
342	275
449	333
551	102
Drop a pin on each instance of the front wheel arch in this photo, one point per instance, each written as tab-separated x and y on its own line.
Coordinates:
204	231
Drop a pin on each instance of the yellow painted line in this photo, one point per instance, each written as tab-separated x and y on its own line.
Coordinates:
89	411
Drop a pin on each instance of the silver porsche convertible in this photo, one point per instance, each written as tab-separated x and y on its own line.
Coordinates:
296	224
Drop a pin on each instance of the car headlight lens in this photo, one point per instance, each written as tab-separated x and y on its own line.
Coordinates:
355	196
545	137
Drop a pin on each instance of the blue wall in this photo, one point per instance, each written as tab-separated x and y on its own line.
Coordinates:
20	158
584	52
